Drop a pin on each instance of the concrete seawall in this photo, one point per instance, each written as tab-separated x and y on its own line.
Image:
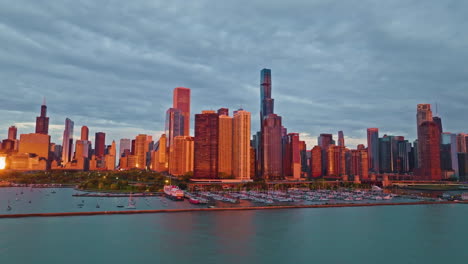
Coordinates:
215	209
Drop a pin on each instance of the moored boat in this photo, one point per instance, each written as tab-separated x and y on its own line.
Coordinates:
174	193
194	200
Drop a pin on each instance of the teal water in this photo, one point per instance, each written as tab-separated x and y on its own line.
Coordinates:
394	234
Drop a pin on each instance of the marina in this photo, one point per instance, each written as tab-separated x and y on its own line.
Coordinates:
33	201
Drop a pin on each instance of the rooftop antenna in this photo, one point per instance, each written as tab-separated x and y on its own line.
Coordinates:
437	109
43	101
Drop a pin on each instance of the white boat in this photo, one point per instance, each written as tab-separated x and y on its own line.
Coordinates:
174	193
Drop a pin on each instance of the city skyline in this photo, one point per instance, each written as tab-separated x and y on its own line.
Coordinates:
322	69
311	140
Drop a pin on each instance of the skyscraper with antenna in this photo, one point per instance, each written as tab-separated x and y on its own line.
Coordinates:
42	121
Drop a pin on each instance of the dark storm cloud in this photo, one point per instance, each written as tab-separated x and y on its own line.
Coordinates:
336	65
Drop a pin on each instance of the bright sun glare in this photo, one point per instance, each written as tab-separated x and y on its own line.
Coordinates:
2	163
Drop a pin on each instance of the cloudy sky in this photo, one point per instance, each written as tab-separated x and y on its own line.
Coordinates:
336	65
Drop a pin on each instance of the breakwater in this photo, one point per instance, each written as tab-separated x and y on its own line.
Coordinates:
219	209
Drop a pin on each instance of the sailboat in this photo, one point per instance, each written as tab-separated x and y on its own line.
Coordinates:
8	207
131	203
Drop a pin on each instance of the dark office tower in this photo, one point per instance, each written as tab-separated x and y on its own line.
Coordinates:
448	152
397	162
438	122
42	122
67	146
206	145
305	158
257	145
132	150
100	144
266	102
463	166
272	147
385	154
340	139
181	101
403	157
429	145
174	124
415	155
12	132
316	162
223	111
373	149
84	133
466	142
324	141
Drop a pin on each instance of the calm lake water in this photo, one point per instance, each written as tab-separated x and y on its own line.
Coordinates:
394	234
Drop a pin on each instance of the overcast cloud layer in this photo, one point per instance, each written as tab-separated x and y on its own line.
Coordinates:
336	65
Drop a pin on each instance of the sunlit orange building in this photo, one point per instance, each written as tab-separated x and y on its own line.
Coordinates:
225	145
181	156
141	148
241	145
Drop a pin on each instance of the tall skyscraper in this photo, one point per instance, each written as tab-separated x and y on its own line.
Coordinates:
12	133
423	114
84	133
438	122
316	162
174	124
373	149
42	121
359	163
181	101
67	146
429	145
241	145
466	142
463	166
272	147
100	144
295	155
266	102
141	150
266	108
324	141
206	145
336	161
225	145
341	139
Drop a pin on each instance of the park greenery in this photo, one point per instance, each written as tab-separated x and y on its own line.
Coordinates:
150	181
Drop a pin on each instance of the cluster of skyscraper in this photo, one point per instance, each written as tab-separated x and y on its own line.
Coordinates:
222	148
